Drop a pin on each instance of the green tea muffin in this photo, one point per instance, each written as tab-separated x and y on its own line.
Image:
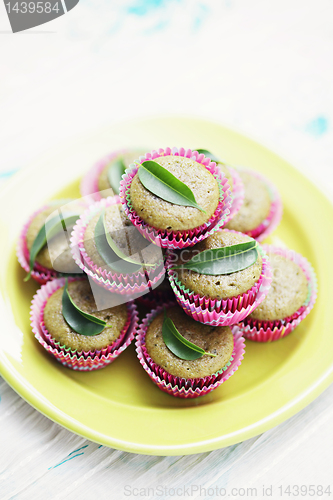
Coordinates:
124	234
81	294
215	340
256	206
127	157
164	215
288	291
220	286
290	298
56	254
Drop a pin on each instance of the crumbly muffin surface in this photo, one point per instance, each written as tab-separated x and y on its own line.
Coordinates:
82	296
221	286
164	215
124	234
217	340
288	291
103	180
256	205
56	254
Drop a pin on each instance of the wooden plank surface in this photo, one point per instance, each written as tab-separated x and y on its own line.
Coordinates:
39	459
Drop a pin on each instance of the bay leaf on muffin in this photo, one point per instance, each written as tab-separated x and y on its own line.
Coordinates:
179	345
165	185
112	255
46	232
80	321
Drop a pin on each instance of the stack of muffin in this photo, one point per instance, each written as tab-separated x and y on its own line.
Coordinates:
174	212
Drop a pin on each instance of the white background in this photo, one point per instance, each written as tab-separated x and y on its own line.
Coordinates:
262	67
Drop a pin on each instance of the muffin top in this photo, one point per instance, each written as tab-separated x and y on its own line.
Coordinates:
164	215
80	292
288	291
220	286
216	340
56	254
256	205
124	234
103	181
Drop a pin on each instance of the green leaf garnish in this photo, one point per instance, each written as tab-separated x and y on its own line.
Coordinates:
178	345
46	232
111	253
115	173
208	154
80	321
224	260
165	185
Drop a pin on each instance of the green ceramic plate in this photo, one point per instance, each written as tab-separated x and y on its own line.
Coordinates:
119	406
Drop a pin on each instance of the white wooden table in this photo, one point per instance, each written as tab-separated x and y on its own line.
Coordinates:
265	68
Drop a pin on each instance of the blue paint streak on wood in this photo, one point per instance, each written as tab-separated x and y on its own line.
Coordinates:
7	174
318	126
82	447
158	27
69	456
143	7
67	459
201	17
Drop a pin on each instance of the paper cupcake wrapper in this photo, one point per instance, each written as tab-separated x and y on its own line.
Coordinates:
39	273
238	193
131	284
84	361
223	312
268	331
89	183
181	387
273	218
178	239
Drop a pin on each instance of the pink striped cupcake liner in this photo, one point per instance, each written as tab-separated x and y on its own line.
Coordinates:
268	331
178	239
274	216
238	193
131	284
89	183
39	273
83	361
181	387
225	312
